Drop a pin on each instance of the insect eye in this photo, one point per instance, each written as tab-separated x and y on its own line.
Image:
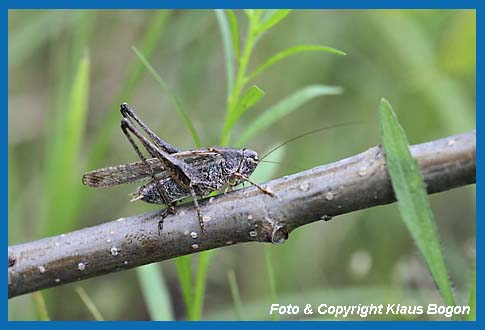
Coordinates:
251	161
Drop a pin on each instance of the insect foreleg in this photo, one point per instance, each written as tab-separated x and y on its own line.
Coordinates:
245	178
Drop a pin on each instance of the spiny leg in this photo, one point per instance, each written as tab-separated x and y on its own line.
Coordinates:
199	213
178	169
165	212
245	178
127	127
127	112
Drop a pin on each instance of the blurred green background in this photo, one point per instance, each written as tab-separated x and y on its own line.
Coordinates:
70	70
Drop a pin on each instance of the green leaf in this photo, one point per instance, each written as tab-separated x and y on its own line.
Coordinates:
155	292
40	306
290	52
249	13
236	297
175	101
249	99
89	304
234	31
184	272
412	198
276	17
200	282
227	42
271	278
62	166
283	108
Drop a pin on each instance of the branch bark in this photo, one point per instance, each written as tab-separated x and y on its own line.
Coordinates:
246	215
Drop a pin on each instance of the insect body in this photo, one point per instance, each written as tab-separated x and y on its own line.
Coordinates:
172	174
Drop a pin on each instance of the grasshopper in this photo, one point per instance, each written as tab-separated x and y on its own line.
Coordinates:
172	174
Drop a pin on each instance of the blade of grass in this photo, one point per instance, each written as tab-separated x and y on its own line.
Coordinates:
183	265
89	304
200	283
412	197
273	19
62	167
233	24
147	46
175	101
228	46
271	278
236	297
290	52
40	306
247	100
283	108
155	292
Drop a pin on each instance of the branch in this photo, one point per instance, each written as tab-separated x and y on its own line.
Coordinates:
246	215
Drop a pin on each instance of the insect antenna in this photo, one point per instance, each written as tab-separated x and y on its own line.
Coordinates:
280	163
306	134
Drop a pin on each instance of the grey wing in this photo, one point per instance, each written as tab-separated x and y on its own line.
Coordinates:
137	171
121	174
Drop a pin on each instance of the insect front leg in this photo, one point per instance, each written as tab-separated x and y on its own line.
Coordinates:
245	178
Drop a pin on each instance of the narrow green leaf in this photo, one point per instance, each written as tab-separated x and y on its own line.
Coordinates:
155	292
89	304
236	297
271	278
290	52
183	265
228	45
247	100
62	170
234	31
200	283
175	101
40	306
270	21
412	197
283	108
249	13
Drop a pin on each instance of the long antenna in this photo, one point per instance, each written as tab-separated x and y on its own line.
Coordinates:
309	133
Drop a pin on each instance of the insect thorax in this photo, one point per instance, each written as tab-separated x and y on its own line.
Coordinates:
214	170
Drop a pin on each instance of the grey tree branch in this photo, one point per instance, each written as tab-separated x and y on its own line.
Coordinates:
246	215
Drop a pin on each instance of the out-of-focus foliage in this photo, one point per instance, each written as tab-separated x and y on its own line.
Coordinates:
423	62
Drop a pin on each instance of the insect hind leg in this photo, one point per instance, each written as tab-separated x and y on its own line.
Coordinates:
128	113
128	129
